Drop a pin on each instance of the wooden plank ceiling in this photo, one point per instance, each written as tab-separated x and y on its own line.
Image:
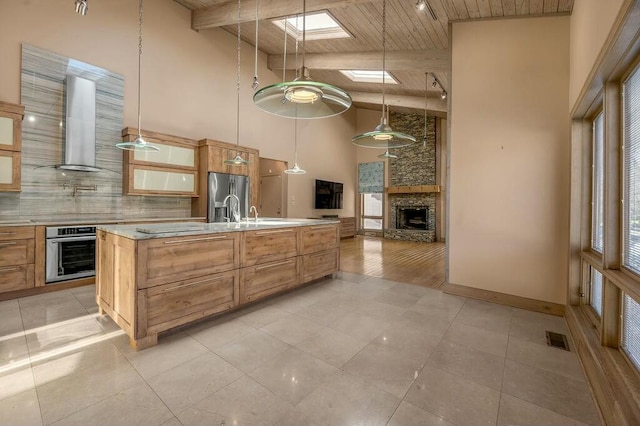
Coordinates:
415	43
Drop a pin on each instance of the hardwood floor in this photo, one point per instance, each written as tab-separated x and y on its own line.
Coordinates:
404	261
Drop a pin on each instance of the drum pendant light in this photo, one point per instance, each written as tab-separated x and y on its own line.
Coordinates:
139	144
302	97
383	135
237	160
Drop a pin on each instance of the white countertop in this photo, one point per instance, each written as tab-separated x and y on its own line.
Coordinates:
181	229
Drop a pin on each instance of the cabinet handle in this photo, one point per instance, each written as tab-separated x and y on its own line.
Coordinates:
13	243
11	268
281	231
221	237
318	255
315	228
193	283
260	268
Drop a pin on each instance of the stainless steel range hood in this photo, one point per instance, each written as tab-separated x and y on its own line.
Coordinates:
79	125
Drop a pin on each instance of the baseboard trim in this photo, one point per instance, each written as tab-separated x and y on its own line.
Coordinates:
504	299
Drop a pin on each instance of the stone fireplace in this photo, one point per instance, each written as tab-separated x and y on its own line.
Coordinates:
412	208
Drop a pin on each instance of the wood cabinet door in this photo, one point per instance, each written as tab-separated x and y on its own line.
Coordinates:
347	227
167	306
318	265
263	280
16	252
166	260
18	277
16	232
268	245
319	238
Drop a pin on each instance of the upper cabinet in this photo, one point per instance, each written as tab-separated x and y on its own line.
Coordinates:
171	171
211	157
10	145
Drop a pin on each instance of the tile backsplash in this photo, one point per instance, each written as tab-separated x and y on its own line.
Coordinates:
48	192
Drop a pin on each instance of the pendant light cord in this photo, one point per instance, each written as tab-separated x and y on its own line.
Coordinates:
384	52
296	60
238	84
304	28
139	65
426	101
284	50
255	83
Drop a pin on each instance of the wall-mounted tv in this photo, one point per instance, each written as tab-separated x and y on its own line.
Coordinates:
328	195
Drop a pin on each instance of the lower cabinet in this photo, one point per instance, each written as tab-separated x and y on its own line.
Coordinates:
263	280
163	307
17	254
318	265
18	277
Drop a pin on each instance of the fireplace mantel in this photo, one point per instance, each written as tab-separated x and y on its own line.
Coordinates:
413	189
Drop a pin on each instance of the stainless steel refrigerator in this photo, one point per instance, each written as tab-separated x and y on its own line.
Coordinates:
221	185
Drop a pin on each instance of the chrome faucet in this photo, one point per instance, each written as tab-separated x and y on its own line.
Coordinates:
254	210
233	210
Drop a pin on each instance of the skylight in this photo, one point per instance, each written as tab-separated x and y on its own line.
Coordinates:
369	76
318	26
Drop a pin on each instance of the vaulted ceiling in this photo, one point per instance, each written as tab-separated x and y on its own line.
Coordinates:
415	43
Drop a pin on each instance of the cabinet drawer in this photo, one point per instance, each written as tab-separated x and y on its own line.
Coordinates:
268	245
16	232
260	281
319	238
319	264
170	305
167	260
16	278
16	252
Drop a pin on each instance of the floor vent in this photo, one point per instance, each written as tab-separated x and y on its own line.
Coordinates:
557	340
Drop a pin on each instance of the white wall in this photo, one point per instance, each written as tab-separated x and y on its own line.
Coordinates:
189	82
509	157
591	21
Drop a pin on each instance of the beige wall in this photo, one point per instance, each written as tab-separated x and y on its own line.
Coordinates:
591	21
189	82
509	157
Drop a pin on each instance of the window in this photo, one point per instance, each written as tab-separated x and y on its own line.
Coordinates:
369	76
631	171
595	291
371	214
631	329
318	26
597	187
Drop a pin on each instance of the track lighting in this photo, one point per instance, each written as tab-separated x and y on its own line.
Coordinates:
443	95
421	5
437	83
81	7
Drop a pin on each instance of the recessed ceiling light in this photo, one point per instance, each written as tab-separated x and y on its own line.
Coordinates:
320	25
369	76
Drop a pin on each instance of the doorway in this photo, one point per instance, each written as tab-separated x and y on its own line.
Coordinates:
273	188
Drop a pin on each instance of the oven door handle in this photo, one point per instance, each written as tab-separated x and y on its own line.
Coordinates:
71	239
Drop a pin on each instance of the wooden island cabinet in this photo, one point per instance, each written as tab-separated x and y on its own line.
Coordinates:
151	282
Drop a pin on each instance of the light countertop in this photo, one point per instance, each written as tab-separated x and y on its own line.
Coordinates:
181	229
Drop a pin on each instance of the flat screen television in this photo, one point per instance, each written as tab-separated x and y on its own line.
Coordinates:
328	195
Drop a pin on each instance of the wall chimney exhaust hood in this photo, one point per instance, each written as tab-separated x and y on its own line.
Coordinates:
79	124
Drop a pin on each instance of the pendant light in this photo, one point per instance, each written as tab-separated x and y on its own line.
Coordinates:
302	97
383	135
237	160
295	170
139	144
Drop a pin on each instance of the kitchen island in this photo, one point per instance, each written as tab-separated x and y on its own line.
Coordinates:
151	278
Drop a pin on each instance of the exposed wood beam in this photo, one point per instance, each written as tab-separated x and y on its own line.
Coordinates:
422	60
227	13
436	106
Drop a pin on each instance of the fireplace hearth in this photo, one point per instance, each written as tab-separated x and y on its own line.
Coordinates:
413	218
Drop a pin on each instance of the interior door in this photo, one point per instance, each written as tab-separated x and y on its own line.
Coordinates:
271	196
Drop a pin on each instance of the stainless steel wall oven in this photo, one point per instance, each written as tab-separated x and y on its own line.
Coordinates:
71	253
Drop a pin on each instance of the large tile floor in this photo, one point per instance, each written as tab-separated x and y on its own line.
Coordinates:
355	350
